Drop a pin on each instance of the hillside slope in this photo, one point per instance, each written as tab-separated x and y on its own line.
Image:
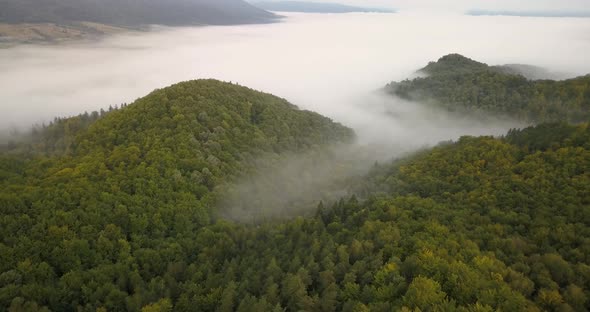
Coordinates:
457	83
482	224
116	211
132	13
125	186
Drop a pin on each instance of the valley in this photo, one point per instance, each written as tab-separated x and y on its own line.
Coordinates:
263	167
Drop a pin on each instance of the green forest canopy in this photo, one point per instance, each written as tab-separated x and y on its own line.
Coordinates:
116	212
457	83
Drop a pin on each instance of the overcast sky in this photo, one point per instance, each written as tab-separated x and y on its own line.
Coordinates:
462	5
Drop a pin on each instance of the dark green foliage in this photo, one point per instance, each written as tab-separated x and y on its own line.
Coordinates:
460	84
125	220
477	225
453	64
56	138
123	200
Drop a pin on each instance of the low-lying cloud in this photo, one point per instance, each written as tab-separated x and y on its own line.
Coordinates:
391	128
315	61
331	64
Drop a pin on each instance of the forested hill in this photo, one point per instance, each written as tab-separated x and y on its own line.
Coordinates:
482	224
133	13
457	83
137	180
202	130
116	211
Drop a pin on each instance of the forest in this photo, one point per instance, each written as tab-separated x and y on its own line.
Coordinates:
460	84
118	211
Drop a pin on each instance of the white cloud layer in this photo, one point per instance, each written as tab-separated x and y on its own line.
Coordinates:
325	63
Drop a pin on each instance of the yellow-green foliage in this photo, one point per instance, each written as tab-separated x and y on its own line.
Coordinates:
124	221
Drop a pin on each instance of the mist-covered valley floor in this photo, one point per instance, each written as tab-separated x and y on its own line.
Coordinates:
293	185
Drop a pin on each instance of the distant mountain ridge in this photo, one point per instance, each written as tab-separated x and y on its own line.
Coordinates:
458	83
315	7
530	13
133	13
456	63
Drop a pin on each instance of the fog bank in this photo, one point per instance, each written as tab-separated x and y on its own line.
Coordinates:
318	62
293	185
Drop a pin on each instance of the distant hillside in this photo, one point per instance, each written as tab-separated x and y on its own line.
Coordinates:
456	64
132	13
461	84
314	7
531	72
531	13
49	32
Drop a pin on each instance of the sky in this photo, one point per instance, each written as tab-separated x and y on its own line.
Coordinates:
464	5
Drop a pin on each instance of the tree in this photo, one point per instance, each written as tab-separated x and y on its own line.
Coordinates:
163	305
424	294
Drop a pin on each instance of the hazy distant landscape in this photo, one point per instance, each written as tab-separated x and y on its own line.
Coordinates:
62	20
133	13
583	14
200	155
132	65
315	7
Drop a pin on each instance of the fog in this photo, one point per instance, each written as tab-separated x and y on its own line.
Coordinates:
390	129
326	63
331	64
